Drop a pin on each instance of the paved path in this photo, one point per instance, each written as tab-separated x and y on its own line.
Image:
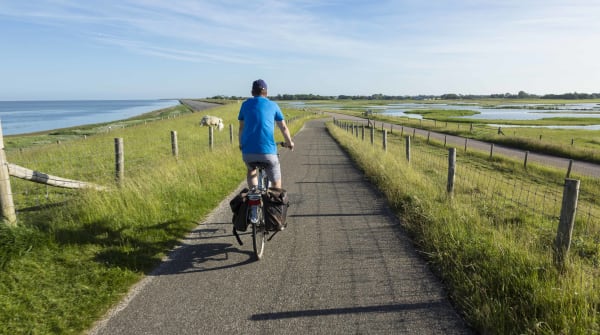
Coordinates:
197	105
343	266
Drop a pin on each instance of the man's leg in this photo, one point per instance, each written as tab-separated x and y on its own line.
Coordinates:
252	178
277	184
274	171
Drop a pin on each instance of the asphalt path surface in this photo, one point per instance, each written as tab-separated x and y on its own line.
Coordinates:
342	266
577	167
198	106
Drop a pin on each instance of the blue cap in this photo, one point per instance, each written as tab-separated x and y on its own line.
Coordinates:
259	85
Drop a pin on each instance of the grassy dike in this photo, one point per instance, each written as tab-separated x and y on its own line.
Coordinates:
496	265
66	263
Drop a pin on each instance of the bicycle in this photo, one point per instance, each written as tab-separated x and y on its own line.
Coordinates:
255	213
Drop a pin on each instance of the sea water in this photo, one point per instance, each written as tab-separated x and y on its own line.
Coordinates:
22	117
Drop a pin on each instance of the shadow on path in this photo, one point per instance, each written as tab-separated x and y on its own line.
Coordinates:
347	310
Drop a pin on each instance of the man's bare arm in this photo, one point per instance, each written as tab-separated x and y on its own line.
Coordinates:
286	134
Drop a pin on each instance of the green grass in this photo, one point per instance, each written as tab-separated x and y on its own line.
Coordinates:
74	253
493	254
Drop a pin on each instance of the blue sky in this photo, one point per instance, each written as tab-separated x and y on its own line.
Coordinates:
129	49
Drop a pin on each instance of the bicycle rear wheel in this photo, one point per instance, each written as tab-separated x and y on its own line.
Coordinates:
259	235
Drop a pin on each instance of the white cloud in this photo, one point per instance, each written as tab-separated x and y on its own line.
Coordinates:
434	43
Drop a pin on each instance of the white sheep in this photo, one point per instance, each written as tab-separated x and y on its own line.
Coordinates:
212	121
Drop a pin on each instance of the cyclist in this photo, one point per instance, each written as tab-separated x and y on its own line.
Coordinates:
258	117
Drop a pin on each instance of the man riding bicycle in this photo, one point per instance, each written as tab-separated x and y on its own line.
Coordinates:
258	116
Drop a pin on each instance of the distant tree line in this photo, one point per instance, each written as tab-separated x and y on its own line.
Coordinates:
447	96
525	95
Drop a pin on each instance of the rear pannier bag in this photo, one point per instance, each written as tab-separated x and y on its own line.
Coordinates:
276	204
239	207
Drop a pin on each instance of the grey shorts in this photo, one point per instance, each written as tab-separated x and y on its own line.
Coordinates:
272	161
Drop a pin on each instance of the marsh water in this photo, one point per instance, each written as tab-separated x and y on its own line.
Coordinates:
500	112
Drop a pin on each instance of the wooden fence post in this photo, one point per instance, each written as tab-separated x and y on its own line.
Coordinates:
362	132
119	160
384	140
211	138
466	141
174	145
525	162
567	221
6	199
569	168
408	149
491	150
372	135
451	170
231	133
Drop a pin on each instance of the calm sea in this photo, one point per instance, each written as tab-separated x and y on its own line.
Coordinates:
22	117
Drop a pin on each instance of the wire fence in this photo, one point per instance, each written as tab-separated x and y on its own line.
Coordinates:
575	145
93	159
482	180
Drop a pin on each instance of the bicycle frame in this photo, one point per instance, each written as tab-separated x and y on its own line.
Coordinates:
255	212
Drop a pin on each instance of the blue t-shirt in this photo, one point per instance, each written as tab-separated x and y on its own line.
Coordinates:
258	135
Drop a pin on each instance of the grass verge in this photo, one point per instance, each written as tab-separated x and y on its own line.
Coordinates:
495	258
